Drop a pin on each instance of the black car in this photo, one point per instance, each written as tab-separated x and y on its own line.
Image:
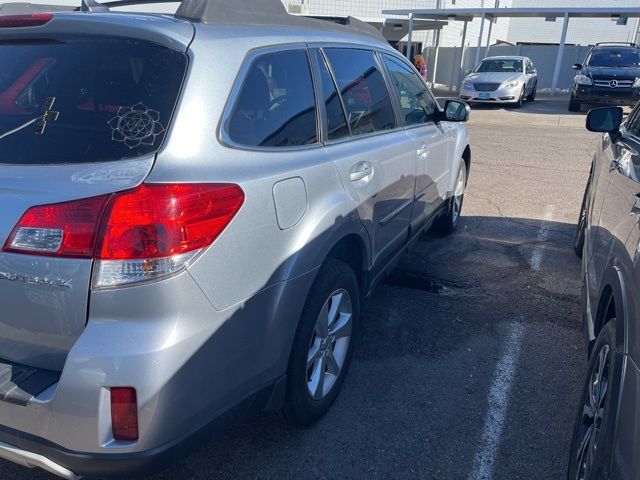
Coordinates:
610	75
607	428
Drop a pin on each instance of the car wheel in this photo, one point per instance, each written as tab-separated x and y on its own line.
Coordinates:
578	240
520	101
574	105
449	221
532	96
592	433
323	343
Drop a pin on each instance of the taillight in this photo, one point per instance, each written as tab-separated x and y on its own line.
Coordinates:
151	231
66	229
124	414
27	20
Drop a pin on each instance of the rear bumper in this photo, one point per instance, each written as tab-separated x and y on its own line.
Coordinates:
192	366
606	96
35	452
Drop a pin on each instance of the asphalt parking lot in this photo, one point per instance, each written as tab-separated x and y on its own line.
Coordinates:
470	357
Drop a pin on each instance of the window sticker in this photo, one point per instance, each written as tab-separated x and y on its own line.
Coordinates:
136	125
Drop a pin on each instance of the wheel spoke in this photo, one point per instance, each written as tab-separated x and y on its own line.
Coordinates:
322	325
314	353
342	327
332	365
336	302
317	378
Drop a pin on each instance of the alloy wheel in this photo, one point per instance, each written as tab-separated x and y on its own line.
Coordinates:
592	414
329	344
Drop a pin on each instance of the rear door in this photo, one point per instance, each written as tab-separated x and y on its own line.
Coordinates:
374	156
80	116
433	143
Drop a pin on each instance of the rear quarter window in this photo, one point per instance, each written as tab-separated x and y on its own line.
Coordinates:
85	99
275	106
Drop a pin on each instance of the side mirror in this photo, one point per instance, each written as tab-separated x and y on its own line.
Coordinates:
577	66
456	111
531	71
605	119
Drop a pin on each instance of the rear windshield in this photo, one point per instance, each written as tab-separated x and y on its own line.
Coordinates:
80	100
615	58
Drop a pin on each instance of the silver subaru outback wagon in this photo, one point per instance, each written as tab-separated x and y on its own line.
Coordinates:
193	210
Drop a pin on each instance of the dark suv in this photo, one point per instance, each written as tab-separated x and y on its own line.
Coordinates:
610	75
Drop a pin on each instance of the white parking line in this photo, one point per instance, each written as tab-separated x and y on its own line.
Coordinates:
543	236
498	404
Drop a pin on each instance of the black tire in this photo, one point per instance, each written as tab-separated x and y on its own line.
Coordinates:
448	222
299	407
520	101
604	434
532	96
574	105
578	240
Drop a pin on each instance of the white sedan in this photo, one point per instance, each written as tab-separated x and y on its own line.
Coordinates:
509	80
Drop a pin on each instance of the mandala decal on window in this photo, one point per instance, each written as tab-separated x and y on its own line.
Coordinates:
136	125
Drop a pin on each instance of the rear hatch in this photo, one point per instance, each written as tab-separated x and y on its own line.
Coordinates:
81	115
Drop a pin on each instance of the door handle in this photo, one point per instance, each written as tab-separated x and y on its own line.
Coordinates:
635	209
422	151
361	171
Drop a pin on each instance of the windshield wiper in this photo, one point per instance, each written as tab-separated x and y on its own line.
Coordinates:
42	120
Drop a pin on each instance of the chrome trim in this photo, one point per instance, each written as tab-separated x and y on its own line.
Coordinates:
396	212
34	460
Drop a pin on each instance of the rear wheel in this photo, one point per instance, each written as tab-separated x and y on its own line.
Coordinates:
574	105
592	434
449	222
323	344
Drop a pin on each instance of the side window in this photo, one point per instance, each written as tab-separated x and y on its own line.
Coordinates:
336	122
363	90
417	104
276	105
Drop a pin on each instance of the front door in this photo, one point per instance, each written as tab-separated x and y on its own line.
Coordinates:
433	143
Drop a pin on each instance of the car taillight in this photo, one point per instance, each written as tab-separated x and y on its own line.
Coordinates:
124	414
27	20
151	231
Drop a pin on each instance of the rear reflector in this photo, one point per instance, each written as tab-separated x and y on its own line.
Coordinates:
28	20
124	414
141	234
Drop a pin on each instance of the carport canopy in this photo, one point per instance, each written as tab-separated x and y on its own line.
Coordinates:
469	14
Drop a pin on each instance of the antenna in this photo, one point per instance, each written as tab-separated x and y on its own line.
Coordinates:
91	6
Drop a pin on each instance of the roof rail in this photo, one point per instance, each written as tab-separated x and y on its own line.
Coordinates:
231	11
629	44
354	24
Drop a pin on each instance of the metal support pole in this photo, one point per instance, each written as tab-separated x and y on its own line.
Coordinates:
462	52
563	39
409	38
480	39
489	37
435	60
